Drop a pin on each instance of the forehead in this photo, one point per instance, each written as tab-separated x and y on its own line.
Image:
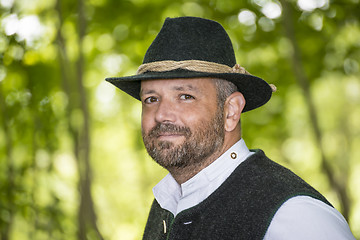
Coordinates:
191	84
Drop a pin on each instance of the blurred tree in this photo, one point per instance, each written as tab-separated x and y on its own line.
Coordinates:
72	161
80	133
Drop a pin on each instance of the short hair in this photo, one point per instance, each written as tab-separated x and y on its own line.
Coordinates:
224	89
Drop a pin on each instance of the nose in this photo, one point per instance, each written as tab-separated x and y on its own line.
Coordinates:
165	112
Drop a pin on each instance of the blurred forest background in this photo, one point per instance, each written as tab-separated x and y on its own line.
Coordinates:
72	162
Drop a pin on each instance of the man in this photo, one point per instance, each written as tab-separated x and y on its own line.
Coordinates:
193	94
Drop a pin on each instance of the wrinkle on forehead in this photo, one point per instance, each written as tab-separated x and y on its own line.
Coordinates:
193	85
183	88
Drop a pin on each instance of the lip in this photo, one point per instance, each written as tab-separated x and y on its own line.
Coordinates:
169	135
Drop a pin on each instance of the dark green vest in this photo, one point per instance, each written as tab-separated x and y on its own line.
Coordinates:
241	208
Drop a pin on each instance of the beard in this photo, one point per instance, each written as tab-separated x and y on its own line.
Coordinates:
199	144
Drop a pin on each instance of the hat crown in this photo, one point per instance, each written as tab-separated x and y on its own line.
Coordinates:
191	47
191	38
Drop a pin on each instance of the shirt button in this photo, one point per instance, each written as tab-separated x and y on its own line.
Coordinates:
233	155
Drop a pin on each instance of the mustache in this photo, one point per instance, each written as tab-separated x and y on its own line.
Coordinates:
168	128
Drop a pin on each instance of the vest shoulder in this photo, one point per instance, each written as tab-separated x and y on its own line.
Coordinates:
261	173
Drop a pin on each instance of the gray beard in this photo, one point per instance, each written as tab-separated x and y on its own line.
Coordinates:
200	144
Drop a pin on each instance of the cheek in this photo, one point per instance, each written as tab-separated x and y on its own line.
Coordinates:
146	122
197	116
149	119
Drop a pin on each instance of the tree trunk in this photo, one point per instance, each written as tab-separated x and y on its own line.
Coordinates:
74	89
303	81
87	216
10	186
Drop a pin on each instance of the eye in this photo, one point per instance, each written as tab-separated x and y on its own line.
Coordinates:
186	97
150	100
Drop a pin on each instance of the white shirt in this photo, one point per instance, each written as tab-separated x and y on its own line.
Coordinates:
299	218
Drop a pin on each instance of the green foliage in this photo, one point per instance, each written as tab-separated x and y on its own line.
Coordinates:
64	131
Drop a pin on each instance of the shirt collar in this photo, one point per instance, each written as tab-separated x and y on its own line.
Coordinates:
174	197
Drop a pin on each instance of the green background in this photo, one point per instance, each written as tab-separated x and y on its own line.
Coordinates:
72	162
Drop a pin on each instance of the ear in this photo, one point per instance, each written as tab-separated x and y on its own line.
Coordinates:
234	105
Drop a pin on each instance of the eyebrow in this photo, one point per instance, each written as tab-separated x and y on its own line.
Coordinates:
183	88
142	92
188	87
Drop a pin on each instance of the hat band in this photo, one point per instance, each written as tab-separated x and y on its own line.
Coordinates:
191	65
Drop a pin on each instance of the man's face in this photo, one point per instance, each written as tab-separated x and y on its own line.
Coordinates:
181	122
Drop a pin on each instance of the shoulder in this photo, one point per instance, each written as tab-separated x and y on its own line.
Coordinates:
304	217
274	181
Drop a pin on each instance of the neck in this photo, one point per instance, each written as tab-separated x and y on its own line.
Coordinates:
183	174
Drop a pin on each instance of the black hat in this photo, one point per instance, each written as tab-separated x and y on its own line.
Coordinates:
191	47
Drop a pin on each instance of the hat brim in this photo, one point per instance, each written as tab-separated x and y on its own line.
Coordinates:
255	90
